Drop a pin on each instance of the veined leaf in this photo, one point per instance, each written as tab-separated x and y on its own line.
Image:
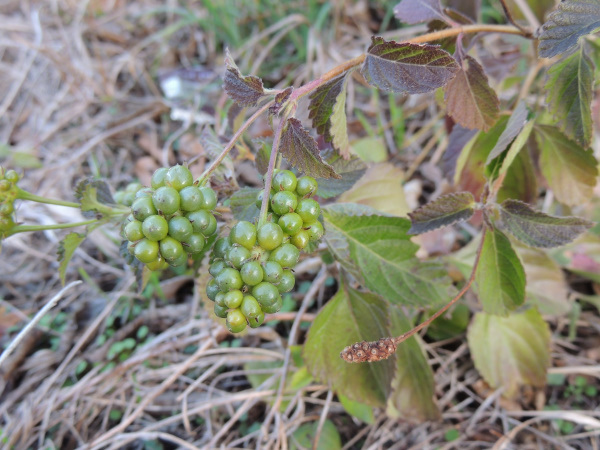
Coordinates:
244	90
350	316
458	139
538	229
515	124
377	250
407	68
413	387
350	170
243	204
441	212
569	99
470	100
94	196
571	20
521	342
381	189
328	113
280	101
500	276
570	170
516	147
66	248
302	152
520	181
357	410
418	11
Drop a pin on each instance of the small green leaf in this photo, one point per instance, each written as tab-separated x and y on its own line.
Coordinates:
358	410
407	68
449	326
350	316
350	170
441	212
515	124
500	276
470	100
381	189
570	170
377	250
520	181
302	152
243	204
515	147
94	196
510	351
304	437
571	20
569	98
538	229
413	387
244	90
66	248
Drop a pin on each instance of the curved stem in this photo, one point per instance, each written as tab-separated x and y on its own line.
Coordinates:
24	195
232	142
60	226
264	207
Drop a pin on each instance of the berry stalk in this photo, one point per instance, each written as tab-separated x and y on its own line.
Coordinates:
264	207
60	226
24	195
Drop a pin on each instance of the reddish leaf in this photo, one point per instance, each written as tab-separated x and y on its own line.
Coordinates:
459	137
442	212
244	90
418	11
280	100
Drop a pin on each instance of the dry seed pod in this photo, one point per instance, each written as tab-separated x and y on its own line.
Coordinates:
369	351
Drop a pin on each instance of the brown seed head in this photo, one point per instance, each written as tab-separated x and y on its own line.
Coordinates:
369	351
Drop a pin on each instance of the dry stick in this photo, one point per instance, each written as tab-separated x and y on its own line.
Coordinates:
41	313
322	419
385	347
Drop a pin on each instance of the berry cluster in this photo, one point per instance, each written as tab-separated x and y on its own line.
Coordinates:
8	194
252	267
128	195
171	219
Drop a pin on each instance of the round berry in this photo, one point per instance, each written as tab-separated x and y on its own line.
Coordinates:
171	249
146	251
133	231
133	187
6	223
5	185
195	243
286	284
251	273
259	198
179	177
266	294
203	222
287	255
259	254
6	209
315	230
257	321
233	299
270	236
308	209
271	309
216	267
250	307
284	202
143	207
306	186
145	192
180	228
212	289
236	322
210	198
159	264
243	233
300	239
290	223
181	260
220	311
285	180
128	198
238	255
155	228
221	247
191	198
220	299
158	178
11	176
272	272
166	199
229	279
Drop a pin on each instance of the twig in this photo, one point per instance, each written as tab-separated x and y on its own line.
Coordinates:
264	207
41	313
322	419
511	19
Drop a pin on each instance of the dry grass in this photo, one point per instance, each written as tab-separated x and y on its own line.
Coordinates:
81	97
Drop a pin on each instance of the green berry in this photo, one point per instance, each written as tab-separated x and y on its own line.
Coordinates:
146	251
180	228
128	198
306	186
236	322
270	236
266	294
181	260
259	254
220	311
6	223
251	273
145	192
257	321
300	239
133	187
203	222
243	233
142	208
286	284
233	299
4	185
284	202
221	247
238	255
212	289
287	255
308	209
155	228
158	178
250	307
6	209
11	176
275	307
191	198
220	299
210	198
290	223
133	231
272	272
259	198
315	230
166	200
171	249
159	264
229	279
216	267
179	177
195	243
285	180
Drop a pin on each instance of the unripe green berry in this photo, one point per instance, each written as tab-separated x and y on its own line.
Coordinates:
180	228
243	233
285	180
133	231
128	198
179	177
146	251
306	186
272	272
308	209
11	176
315	230
238	255
195	243
229	279
257	321
250	307
166	200
251	273
4	185
220	311
233	299
133	187
212	289
155	227
159	264
210	198
287	281
158	177
290	223
221	247
171	249
284	202
236	322
273	308
142	208
270	236
6	209
287	255
203	222
191	198
266	294
300	239
181	260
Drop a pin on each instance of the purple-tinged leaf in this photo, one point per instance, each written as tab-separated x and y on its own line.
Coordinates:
470	100
328	113
459	137
351	170
538	229
419	11
468	8
243	204
244	90
569	98
66	249
441	212
280	100
515	124
407	68
302	152
571	20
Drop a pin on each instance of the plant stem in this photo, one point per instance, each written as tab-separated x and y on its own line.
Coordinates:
60	226
232	142
510	18
24	195
264	207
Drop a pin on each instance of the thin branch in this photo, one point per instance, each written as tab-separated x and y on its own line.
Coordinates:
511	19
264	207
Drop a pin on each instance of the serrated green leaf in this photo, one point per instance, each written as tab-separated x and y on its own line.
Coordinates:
66	248
470	100
500	276
94	196
510	351
328	112
419	11
351	170
441	212
377	250
350	316
413	387
381	189
520	181
358	410
570	170
407	68
569	98
513	128
304	437
538	229
243	204
244	90
571	20
302	152
516	147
